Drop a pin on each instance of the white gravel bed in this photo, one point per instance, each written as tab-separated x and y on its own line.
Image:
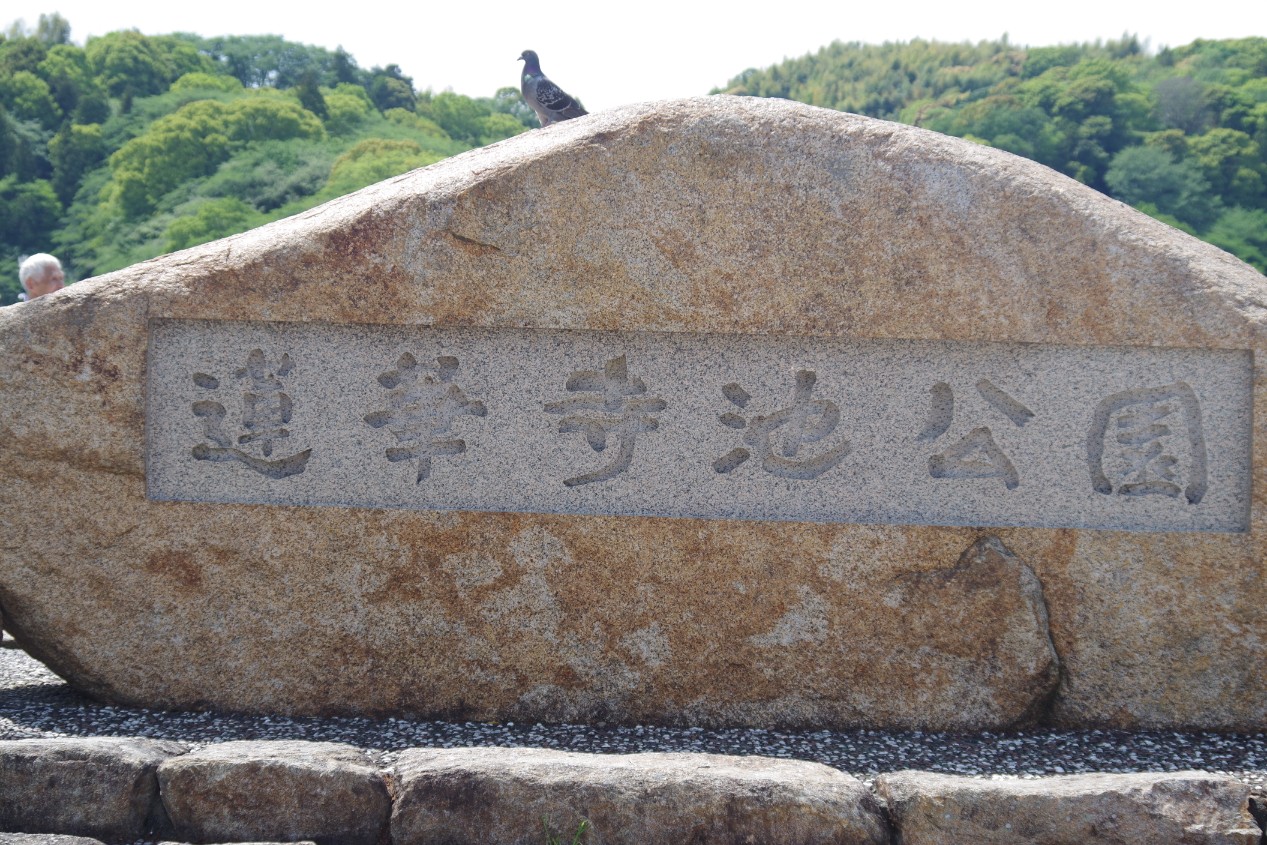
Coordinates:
36	703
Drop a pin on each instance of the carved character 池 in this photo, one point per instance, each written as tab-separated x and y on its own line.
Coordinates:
806	420
612	404
421	408
266	410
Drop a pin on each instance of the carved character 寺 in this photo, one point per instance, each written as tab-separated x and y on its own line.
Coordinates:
613	405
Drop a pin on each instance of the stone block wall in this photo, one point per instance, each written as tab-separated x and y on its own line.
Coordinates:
123	790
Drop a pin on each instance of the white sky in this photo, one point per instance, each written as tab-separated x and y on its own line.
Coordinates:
629	52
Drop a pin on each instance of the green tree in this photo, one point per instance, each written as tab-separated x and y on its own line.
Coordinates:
1172	141
8	143
188	143
497	126
374	160
1181	104
310	95
391	89
1230	105
1229	159
460	117
21	54
53	29
1242	232
260	61
128	63
202	81
261	117
1150	175
29	213
1096	108
75	150
416	122
66	71
28	155
194	140
1039	60
27	97
509	101
270	174
347	106
344	68
94	107
214	219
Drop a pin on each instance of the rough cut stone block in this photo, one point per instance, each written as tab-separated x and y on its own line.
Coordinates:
1258	808
1184	808
45	839
97	787
516	796
279	791
717	411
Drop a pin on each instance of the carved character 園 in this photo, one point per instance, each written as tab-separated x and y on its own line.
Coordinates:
422	406
975	455
612	405
266	410
777	438
1149	442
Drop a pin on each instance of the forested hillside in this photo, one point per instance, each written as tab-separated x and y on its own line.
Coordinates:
1181	135
131	145
134	145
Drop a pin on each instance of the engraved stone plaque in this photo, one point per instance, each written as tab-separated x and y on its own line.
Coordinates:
696	425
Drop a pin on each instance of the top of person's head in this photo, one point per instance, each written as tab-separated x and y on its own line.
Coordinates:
37	266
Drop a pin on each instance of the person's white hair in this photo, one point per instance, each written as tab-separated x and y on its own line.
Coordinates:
36	265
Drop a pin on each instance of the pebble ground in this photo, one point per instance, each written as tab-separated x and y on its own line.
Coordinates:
36	703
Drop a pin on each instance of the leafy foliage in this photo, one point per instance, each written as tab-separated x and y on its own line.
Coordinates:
29	212
212	219
1181	136
374	160
1150	175
135	145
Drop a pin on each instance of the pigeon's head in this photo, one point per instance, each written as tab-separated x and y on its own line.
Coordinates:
530	60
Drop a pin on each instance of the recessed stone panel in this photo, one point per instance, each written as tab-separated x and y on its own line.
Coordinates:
694	425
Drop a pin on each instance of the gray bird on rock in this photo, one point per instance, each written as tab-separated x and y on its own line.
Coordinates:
549	101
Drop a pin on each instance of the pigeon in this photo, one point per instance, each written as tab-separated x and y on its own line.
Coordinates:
549	101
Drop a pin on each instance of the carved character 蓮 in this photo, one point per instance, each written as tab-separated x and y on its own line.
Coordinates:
266	410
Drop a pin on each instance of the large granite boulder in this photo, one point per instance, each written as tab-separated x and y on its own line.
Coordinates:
720	411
